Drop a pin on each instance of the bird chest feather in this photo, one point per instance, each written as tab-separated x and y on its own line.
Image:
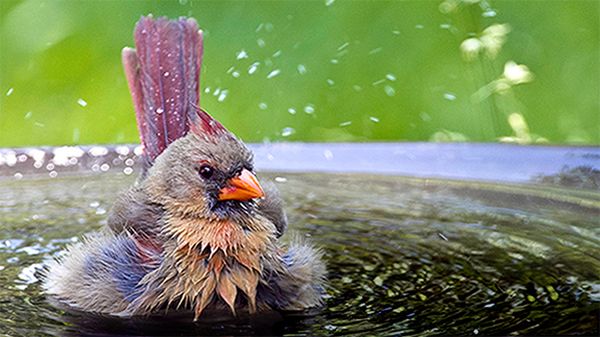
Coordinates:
210	260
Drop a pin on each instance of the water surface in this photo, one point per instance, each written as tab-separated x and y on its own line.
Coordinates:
406	256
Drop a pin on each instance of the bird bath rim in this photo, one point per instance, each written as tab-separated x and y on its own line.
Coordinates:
507	163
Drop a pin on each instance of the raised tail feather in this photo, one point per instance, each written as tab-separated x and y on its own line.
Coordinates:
163	75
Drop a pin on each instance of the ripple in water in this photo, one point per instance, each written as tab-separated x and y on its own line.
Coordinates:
406	257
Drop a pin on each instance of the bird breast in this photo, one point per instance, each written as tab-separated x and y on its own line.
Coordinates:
214	258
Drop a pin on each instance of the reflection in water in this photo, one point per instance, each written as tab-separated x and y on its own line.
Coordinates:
581	177
406	256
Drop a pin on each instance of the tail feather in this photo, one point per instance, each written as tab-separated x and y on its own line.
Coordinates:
163	75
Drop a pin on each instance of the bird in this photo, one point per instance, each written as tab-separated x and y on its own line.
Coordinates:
197	231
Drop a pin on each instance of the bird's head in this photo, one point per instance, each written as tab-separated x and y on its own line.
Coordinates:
207	174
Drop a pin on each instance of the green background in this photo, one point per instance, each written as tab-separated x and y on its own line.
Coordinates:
398	73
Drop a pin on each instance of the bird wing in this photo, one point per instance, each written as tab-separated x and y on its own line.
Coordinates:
163	76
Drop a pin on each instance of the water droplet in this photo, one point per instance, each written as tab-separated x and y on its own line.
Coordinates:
260	26
262	106
329	2
138	150
104	167
489	13
280	179
273	73
128	170
207	90
235	74
277	53
242	54
166	74
261	43
346	123
288	131
328	154
375	51
28	114
98	151
253	67
334	61
329	326
390	77
330	81
309	109
374	119
449	96
122	150
9	92
389	90
82	102
445	26
378	82
419	26
396	32
357	87
160	110
425	116
343	46
301	69
53	174
223	95
292	111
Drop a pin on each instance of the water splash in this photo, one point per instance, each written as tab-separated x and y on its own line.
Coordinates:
301	69
449	96
253	67
273	73
287	131
242	54
309	109
389	90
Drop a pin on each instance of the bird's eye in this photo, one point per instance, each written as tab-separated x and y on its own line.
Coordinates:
206	171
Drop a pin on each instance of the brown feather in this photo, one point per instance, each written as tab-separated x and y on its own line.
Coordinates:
227	291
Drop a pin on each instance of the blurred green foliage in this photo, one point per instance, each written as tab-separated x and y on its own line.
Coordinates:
350	70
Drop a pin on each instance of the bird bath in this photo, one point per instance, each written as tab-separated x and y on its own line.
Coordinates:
420	239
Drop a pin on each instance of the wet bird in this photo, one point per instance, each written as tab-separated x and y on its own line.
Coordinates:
197	231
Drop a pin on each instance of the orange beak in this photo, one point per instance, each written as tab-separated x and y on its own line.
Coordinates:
243	187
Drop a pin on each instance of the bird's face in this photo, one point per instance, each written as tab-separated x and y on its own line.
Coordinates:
209	177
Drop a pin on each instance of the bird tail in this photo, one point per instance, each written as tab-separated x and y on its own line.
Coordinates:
163	74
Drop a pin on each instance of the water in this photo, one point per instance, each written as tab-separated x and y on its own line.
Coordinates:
406	256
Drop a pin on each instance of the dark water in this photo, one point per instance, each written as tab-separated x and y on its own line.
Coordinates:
406	256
